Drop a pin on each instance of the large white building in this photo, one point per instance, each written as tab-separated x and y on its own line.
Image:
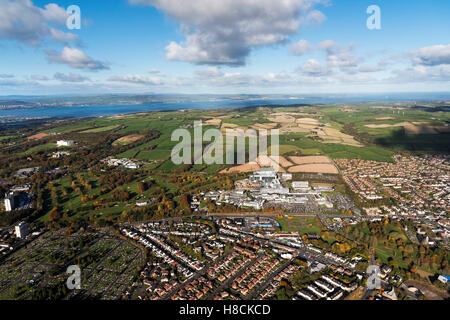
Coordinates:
65	143
22	230
265	175
9	202
301	186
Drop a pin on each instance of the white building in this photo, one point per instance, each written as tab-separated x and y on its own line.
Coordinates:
132	165
266	175
301	185
60	154
443	279
22	230
9	202
142	203
65	143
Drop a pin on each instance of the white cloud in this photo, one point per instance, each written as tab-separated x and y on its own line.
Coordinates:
337	55
213	76
62	36
14	82
419	73
315	17
342	60
328	45
155	72
54	13
356	78
428	65
75	58
371	68
301	47
211	72
137	79
432	56
70	77
39	77
224	32
277	79
22	21
313	68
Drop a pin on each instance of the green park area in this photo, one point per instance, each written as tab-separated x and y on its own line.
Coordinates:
301	225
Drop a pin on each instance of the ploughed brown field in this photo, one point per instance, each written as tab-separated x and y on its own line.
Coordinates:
282	119
310	164
248	167
129	139
38	136
266	126
282	161
314	168
212	122
308	121
311	160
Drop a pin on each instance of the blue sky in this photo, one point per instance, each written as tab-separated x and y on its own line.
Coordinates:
224	46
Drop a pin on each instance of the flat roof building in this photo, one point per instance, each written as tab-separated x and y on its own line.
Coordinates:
65	143
300	185
22	230
9	202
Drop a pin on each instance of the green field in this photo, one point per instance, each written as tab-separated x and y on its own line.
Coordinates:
42	147
6	137
301	225
95	141
384	142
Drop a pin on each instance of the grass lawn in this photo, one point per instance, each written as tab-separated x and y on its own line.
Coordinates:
385	253
6	137
41	147
311	152
285	149
301	225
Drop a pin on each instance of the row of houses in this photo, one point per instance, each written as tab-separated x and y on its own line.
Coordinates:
327	288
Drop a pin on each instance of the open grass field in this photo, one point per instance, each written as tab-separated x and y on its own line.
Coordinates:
314	168
38	136
332	138
309	146
287	149
301	225
42	147
310	160
248	167
334	143
6	137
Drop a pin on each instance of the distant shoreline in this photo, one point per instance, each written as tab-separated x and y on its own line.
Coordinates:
30	116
